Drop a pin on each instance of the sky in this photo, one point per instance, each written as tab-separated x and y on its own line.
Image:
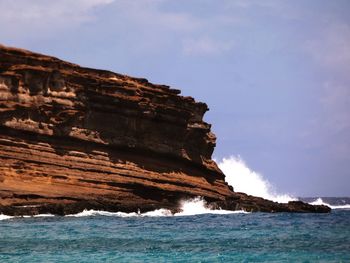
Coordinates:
275	74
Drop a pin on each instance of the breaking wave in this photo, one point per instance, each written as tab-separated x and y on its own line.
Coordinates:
245	180
158	212
191	207
195	206
319	201
4	217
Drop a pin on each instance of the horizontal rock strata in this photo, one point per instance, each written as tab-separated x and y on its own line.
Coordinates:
74	138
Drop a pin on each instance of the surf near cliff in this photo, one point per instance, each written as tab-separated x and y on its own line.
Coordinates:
74	138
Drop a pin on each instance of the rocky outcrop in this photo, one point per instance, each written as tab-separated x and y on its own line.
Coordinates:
242	201
74	138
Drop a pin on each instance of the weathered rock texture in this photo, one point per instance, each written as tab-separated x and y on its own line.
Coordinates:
73	138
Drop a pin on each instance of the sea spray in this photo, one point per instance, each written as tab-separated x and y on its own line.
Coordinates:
319	201
198	206
245	180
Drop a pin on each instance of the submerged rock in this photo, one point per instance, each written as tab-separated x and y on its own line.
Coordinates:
75	138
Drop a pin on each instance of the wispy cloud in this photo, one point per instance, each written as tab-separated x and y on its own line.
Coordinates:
330	47
206	46
147	25
149	14
21	10
24	18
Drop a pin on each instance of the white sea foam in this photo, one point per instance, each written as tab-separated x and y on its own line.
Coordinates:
44	215
155	213
102	213
158	212
195	206
245	180
319	201
4	217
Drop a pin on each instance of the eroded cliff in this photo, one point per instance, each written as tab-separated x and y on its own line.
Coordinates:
73	138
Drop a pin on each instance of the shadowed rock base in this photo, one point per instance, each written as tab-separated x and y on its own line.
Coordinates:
74	138
242	201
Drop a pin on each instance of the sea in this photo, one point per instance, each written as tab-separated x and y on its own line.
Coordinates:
195	235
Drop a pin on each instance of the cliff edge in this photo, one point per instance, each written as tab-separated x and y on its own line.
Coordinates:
74	138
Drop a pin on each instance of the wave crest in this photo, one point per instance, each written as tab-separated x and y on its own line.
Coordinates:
319	201
198	206
4	217
155	213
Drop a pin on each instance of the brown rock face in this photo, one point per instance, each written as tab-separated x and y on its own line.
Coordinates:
73	138
71	134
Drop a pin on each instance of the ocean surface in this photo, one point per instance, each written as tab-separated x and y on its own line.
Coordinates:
196	235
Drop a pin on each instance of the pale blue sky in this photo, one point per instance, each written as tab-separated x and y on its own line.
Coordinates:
275	74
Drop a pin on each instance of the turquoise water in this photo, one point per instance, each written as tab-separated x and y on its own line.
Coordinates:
254	237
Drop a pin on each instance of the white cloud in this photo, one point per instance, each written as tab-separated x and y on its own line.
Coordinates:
252	3
148	13
23	18
205	46
40	9
146	25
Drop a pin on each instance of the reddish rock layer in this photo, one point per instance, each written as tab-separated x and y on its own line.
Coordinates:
75	134
73	138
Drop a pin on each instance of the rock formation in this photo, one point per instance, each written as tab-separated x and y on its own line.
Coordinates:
74	138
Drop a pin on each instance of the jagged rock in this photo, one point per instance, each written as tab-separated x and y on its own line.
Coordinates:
242	201
74	138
